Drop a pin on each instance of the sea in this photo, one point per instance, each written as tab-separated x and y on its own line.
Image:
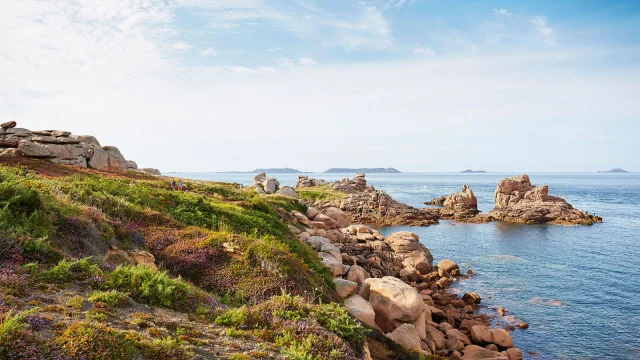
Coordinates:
578	287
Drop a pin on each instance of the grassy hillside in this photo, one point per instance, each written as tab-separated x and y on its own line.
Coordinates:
232	281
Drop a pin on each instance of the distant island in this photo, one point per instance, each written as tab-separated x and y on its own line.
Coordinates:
363	170
616	170
469	171
277	171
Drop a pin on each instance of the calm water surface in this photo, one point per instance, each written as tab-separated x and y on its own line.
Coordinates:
577	286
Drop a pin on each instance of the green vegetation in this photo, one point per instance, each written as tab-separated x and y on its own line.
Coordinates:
85	340
279	314
224	257
111	298
323	192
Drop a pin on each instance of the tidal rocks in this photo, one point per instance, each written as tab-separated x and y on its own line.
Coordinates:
460	205
482	335
439	201
448	266
516	200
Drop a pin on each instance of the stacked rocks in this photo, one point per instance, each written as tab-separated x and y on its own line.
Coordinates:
266	185
304	181
60	147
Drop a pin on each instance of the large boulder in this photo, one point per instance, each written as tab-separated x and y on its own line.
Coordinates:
361	309
516	200
270	185
406	335
475	352
448	266
329	222
393	301
335	266
461	204
410	251
287	191
258	179
337	215
482	335
132	164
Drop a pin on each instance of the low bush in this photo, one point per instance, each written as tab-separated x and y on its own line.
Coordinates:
66	271
163	349
90	341
110	298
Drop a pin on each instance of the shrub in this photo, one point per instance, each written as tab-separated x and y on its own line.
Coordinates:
111	298
76	302
66	271
163	349
335	318
12	324
12	283
85	340
232	317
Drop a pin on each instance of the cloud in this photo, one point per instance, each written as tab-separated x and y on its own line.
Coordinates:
208	52
307	61
286	62
423	51
541	23
274	49
502	12
181	46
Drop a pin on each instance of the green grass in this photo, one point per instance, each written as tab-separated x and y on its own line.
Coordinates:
324	192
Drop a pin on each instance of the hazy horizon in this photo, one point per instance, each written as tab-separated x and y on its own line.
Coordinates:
216	85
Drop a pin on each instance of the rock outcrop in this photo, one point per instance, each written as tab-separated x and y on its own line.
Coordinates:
60	147
439	201
460	205
365	205
516	200
304	181
267	185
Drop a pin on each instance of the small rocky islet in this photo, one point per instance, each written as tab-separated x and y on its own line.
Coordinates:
388	283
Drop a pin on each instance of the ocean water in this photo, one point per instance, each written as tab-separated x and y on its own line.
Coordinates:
578	287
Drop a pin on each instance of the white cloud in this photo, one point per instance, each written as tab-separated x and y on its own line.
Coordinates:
274	49
307	61
541	23
424	51
209	52
502	12
286	62
181	46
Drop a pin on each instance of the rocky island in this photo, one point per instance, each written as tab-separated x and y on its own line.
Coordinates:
469	171
616	170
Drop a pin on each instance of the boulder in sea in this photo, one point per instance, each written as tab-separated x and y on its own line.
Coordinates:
517	200
439	201
460	205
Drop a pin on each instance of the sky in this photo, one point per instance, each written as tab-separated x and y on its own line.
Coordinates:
419	85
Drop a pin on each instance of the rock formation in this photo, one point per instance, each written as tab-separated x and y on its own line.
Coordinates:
266	185
516	200
60	147
304	181
439	201
460	205
366	205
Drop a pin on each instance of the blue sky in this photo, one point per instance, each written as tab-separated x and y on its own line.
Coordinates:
213	85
